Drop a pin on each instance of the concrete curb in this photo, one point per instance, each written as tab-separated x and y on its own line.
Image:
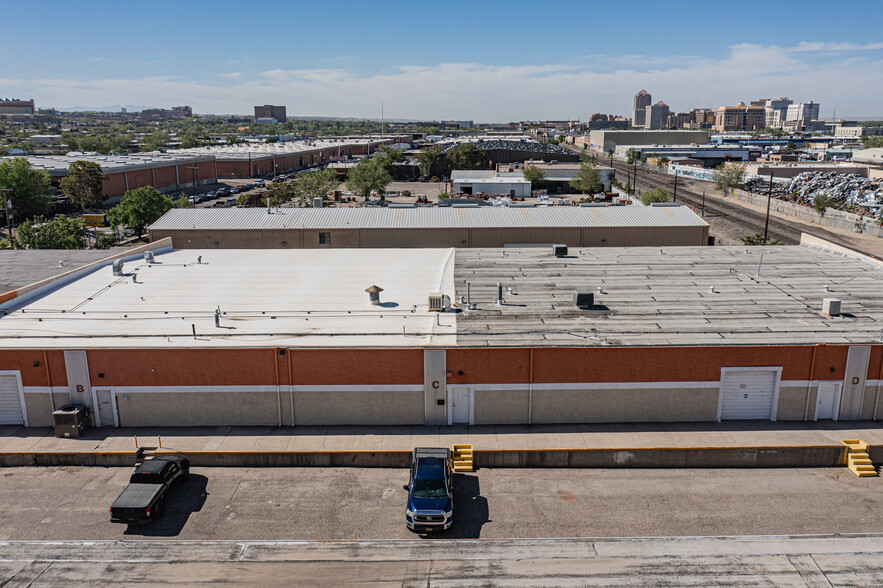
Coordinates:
638	457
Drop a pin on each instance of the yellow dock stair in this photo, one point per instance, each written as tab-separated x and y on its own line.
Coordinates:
857	458
463	458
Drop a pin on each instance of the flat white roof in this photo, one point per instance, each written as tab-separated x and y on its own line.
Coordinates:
296	298
425	218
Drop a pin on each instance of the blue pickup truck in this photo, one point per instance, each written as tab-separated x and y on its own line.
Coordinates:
430	490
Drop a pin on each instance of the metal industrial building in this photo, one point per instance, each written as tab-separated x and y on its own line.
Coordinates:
245	337
480	226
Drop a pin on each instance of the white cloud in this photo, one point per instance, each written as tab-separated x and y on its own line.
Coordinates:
501	93
231	75
813	46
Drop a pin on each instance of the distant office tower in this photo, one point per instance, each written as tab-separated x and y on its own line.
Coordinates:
804	112
642	101
774	110
656	116
739	118
270	111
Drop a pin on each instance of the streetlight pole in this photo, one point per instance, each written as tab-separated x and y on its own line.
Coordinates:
769	197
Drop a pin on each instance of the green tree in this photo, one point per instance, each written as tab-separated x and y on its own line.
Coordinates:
632	155
662	161
58	233
155	140
428	160
279	193
728	177
389	156
758	239
83	184
823	202
29	188
535	175
587	180
466	156
315	184
367	176
139	208
654	195
870	142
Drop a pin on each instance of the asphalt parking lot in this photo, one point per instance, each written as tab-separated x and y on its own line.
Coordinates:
353	503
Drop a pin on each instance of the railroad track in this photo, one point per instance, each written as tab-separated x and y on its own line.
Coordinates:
752	220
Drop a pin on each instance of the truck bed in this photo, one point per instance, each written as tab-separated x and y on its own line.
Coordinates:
137	496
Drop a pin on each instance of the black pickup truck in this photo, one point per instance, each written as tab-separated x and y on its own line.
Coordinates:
142	500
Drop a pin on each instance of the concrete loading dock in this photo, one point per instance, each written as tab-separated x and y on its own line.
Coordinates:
288	338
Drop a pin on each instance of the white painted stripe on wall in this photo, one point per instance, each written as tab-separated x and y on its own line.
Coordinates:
361	388
419	387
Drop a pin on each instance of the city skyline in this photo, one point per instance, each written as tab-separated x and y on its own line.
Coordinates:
485	63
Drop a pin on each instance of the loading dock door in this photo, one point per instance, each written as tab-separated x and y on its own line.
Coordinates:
748	394
11	399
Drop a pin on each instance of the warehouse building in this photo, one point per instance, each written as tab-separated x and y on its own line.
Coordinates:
605	140
490	182
479	226
449	336
185	168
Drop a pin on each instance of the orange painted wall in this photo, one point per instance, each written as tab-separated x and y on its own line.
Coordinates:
488	366
23	361
182	367
357	366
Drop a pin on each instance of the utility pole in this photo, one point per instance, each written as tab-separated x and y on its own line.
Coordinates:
676	186
6	192
769	197
703	203
635	176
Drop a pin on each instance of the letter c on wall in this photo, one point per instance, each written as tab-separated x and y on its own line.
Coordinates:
435	385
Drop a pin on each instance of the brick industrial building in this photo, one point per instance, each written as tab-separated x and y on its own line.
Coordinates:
245	337
16	106
270	111
184	168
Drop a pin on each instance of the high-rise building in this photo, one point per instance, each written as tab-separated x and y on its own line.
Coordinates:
642	101
774	110
739	118
804	112
656	116
16	106
270	111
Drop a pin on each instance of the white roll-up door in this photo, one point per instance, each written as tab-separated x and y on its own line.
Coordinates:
748	394
10	400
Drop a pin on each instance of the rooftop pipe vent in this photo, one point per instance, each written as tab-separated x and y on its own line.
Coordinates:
374	295
118	267
148	256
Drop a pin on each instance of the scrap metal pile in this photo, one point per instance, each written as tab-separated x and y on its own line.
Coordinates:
508	145
845	190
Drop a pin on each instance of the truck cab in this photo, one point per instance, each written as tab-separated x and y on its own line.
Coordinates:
430	490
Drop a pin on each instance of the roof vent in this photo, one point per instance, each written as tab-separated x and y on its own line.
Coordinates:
559	250
584	299
374	295
831	306
437	302
317	202
148	256
118	267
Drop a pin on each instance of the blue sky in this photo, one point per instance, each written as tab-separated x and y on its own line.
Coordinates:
488	61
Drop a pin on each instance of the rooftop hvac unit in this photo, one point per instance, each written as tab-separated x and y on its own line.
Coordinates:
559	250
437	302
584	299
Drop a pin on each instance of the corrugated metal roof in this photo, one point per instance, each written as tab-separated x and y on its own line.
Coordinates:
425	218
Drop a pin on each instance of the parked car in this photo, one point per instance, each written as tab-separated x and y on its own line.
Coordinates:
234	190
258	183
430	490
143	500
